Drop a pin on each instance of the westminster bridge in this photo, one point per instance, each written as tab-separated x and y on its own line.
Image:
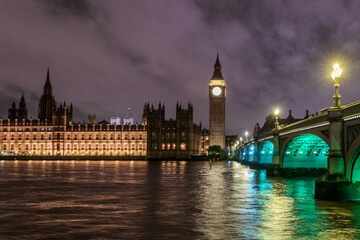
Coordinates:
328	144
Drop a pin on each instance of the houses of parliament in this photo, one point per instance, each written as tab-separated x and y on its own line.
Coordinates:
54	133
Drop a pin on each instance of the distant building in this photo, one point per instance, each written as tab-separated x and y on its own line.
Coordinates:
230	142
128	120
205	141
269	123
115	120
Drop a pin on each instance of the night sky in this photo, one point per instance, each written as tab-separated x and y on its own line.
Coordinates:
107	56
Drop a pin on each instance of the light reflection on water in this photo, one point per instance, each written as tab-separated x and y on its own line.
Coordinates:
163	200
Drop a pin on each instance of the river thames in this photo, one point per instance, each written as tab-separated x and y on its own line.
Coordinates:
163	200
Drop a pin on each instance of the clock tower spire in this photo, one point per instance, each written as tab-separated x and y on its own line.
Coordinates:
217	99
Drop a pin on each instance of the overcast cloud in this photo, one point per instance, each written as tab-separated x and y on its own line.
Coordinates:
107	56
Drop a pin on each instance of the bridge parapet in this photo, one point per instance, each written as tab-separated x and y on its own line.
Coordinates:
351	109
306	123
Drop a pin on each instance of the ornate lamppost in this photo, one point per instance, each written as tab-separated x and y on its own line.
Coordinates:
336	74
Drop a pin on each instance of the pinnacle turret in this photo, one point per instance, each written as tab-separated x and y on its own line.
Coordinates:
47	86
217	75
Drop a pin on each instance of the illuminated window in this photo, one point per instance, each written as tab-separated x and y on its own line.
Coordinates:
168	146
174	146
163	146
183	146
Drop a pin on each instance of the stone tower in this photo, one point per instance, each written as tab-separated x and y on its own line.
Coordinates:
22	108
47	103
217	99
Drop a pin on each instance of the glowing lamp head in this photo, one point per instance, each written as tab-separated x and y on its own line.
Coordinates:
277	111
336	73
246	133
240	138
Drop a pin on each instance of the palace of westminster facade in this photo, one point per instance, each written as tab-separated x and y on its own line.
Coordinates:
54	133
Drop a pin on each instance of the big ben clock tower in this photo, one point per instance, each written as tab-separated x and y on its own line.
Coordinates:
217	99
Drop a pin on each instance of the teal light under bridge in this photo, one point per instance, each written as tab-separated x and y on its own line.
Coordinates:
356	170
250	152
306	151
266	152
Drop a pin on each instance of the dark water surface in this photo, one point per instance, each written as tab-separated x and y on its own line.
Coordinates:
163	200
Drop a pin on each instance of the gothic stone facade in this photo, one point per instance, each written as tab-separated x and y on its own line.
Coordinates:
172	139
55	134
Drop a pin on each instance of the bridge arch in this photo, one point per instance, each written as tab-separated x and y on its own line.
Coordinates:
266	152
305	151
353	161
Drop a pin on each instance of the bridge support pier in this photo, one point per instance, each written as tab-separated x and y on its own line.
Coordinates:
333	185
336	188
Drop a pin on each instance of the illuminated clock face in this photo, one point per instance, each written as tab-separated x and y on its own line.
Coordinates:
216	91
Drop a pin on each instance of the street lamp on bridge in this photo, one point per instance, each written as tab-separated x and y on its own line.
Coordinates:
246	135
276	112
336	74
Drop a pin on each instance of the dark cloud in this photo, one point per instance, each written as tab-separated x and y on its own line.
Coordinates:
106	56
65	8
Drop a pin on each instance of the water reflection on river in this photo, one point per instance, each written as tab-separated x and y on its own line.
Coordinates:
163	200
